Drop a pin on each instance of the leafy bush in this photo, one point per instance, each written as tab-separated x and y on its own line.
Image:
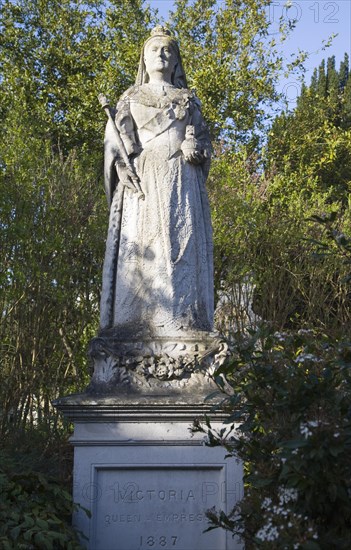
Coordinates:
35	511
291	394
265	239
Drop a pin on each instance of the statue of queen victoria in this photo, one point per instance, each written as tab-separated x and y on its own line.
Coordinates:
158	269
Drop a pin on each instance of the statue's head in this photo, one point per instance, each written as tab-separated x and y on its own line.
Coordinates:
161	32
151	58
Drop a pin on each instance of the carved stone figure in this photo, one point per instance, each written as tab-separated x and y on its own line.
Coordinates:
158	270
157	293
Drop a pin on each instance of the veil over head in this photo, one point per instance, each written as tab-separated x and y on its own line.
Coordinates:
178	77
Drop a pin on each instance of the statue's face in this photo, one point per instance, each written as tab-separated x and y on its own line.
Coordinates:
160	57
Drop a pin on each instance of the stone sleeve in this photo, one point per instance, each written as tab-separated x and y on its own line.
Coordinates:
126	127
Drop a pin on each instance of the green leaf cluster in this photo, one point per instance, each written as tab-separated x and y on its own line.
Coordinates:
266	264
231	62
35	512
313	141
289	395
56	56
52	242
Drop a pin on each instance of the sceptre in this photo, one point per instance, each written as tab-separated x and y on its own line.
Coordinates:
121	148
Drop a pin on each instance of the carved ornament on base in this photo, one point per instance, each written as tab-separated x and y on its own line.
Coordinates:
158	364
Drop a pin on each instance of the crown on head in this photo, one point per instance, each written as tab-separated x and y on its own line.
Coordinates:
159	30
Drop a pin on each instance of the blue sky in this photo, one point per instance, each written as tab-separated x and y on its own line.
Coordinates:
317	20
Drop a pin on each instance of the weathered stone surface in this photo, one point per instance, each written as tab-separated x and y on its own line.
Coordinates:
158	270
161	365
146	481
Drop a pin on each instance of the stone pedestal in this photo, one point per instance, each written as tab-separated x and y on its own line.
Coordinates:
146	480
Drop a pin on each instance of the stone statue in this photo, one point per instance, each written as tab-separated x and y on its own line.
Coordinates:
157	293
155	355
158	269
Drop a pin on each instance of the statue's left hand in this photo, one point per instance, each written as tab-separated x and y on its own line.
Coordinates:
191	151
194	157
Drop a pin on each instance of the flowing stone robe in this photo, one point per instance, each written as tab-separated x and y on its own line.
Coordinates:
158	269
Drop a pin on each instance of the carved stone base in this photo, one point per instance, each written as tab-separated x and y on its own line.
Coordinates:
156	365
145	479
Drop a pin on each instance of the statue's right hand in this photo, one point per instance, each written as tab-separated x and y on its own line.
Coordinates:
129	179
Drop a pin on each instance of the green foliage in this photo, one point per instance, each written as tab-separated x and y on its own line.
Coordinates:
35	512
335	242
231	61
52	238
291	395
313	141
56	56
265	252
